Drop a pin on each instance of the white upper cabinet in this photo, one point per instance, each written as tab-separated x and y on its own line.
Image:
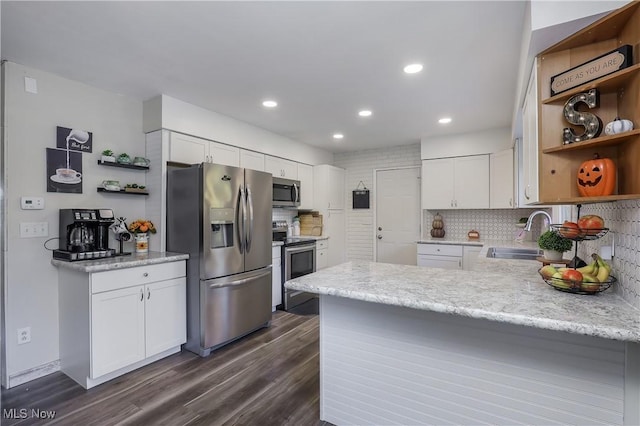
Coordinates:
456	183
279	167
252	160
305	176
328	183
501	194
192	150
530	141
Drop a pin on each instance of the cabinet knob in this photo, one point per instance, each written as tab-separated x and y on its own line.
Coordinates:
379	228
146	274
379	237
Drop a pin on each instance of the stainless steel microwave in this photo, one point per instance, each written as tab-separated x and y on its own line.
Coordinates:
286	192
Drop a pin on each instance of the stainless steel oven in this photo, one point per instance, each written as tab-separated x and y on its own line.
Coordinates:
299	258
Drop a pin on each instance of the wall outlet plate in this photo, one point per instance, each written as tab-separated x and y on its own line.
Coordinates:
24	335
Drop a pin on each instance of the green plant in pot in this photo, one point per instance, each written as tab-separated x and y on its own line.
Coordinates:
124	158
554	245
107	156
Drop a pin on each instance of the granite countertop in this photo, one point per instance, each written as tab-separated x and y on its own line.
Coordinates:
120	262
509	291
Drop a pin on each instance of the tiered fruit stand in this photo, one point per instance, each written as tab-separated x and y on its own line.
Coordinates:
570	286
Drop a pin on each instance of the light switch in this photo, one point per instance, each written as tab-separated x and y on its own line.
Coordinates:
34	229
30	85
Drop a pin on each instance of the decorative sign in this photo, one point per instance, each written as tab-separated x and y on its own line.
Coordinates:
591	122
74	139
602	65
64	171
361	199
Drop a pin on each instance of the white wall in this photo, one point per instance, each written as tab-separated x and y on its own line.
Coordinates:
546	13
172	114
474	143
31	287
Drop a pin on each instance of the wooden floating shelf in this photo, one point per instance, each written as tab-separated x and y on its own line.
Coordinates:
595	143
123	166
122	191
590	200
607	83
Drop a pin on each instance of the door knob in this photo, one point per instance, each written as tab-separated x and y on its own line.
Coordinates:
379	228
379	237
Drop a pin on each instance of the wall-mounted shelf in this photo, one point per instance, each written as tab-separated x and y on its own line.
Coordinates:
123	166
595	143
122	191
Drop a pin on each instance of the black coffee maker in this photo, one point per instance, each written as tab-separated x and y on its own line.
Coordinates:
84	234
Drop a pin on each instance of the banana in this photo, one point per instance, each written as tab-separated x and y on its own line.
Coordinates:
589	278
591	268
603	268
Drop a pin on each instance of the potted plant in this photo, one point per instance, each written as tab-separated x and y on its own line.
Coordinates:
124	158
554	245
107	156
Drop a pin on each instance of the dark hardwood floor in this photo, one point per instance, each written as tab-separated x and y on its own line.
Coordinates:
270	377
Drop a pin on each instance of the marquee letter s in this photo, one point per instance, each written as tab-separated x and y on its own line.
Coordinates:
591	122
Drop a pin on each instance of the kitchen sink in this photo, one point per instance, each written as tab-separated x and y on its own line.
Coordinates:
513	253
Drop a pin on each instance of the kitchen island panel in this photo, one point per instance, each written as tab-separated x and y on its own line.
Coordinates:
393	365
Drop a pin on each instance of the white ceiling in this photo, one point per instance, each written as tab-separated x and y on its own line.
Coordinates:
322	61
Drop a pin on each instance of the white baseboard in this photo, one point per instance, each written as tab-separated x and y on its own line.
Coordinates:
33	373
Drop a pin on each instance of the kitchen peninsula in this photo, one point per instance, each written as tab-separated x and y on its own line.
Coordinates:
413	345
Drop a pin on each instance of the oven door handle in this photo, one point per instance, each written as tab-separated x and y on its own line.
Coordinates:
299	249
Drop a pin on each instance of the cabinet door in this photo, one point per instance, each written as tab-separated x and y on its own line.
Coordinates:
187	149
335	230
252	160
280	167
336	188
117	329
437	184
224	154
471	183
276	283
290	169
165	315
530	141
445	262
470	255
322	260
305	176
501	180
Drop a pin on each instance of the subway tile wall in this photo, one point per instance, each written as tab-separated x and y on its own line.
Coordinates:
623	220
491	224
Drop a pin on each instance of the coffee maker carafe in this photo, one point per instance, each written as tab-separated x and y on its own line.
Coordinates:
84	234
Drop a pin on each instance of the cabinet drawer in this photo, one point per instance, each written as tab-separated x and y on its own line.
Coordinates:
275	252
321	244
440	249
122	278
445	262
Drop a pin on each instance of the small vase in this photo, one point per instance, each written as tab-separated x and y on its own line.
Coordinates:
552	255
142	242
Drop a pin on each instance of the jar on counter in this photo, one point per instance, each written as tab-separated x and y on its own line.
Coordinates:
296	227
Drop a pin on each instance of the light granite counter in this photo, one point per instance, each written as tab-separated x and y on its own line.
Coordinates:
120	262
509	291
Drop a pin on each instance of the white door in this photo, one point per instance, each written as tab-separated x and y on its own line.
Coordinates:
117	329
165	315
397	215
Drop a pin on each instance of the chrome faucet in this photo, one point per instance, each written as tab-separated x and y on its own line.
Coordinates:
527	227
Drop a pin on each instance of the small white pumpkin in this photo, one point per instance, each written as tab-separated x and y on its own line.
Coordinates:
618	126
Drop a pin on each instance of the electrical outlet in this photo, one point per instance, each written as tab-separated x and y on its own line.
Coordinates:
24	335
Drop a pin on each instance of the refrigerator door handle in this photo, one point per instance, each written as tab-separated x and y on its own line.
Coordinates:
296	197
240	281
240	214
250	205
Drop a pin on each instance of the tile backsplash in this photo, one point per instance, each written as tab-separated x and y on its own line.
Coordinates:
623	220
491	224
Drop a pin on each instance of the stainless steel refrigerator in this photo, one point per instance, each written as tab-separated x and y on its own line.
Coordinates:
221	216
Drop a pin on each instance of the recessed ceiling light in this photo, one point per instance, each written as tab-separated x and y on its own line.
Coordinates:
338	136
365	113
413	68
445	120
269	104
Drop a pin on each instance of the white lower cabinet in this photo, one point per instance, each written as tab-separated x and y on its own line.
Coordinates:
322	261
447	256
276	277
115	321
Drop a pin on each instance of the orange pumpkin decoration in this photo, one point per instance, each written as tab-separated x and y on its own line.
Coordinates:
596	177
